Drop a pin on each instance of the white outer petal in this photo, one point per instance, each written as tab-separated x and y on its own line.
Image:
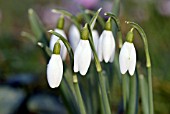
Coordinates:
99	48
112	56
63	51
85	57
95	35
108	45
132	64
74	37
54	71
77	56
124	58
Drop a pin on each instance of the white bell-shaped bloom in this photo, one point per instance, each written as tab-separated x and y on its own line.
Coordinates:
95	35
106	46
54	39
127	58
82	57
55	71
74	37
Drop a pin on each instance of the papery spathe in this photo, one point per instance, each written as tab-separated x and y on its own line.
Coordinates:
54	39
127	58
82	57
54	71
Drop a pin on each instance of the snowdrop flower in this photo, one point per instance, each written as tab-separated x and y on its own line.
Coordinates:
54	39
74	37
82	56
106	45
55	68
127	57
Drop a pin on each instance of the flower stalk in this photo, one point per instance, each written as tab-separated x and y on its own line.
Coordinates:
148	63
132	95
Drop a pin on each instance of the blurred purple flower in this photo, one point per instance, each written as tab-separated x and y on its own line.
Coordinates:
164	7
87	3
49	18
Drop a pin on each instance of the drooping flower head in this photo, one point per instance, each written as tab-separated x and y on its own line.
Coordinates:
106	45
82	55
55	67
54	38
127	57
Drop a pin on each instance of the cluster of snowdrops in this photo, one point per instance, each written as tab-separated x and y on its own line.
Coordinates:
84	45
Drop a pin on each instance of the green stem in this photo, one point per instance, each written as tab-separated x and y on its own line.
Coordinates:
144	94
115	11
78	94
101	78
148	63
101	102
69	97
132	95
125	91
104	94
151	111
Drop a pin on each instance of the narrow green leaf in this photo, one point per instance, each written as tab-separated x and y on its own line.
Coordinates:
36	24
45	48
100	19
29	36
93	20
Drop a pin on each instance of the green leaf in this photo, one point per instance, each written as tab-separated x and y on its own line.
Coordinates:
93	20
36	24
29	36
45	48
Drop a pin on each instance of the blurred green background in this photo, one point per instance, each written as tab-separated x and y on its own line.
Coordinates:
18	54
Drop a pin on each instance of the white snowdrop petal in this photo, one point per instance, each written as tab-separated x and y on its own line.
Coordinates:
124	58
63	51
107	45
132	64
74	37
53	40
77	56
112	56
99	49
95	40
54	71
85	57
